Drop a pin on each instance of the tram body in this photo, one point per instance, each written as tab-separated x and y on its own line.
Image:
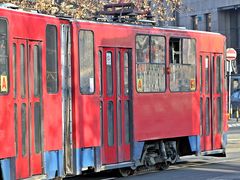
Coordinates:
80	95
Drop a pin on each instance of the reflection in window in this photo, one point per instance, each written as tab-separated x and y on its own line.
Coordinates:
207	117
14	71
110	124
219	114
183	65
100	71
219	75
37	127
22	60
208	19
150	67
127	121
4	72
207	75
126	80
51	59
86	58
109	74
24	129
195	22
36	71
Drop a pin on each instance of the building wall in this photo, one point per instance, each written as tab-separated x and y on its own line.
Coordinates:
225	18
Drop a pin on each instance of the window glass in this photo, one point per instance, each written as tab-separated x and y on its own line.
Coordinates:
24	129
219	113
100	71
207	75
142	48
37	127
110	124
201	73
16	127
86	56
150	70
119	120
14	71
118	74
182	65
127	122
195	22
207	117
201	116
36	71
218	75
4	74
126	80
157	49
51	59
23	81
109	74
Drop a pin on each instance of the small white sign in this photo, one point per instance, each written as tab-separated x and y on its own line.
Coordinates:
91	83
109	59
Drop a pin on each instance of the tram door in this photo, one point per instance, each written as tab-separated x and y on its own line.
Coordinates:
211	100
115	104
27	107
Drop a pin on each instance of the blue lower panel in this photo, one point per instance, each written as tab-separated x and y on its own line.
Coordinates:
53	163
8	169
137	150
224	140
83	158
194	142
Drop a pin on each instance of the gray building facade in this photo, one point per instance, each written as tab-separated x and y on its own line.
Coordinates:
221	16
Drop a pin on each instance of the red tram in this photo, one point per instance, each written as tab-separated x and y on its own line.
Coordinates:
79	95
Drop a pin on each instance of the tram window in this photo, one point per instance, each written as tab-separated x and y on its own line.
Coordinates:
23	81
142	48
150	63
127	122
182	64
126	80
219	75
16	127
110	124
24	129
207	75
100	71
201	116
51	58
86	60
201	73
109	74
37	127
14	71
36	71
4	71
219	114
207	118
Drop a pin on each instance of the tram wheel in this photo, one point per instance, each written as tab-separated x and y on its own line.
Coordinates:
163	165
124	172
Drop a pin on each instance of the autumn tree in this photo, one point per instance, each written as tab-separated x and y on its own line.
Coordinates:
162	10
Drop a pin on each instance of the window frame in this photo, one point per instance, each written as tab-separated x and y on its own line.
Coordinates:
94	68
57	56
150	60
181	60
8	63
